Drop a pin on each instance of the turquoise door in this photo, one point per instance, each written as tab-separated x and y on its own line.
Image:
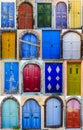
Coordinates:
9	113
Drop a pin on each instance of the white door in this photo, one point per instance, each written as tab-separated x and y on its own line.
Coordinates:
71	46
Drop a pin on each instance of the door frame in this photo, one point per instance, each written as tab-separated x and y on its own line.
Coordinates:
64	2
37	104
60	100
15	99
21	34
72	31
69	99
21	67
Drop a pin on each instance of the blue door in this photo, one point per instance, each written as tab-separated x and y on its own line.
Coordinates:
31	114
51	44
53	113
9	113
53	78
61	15
11	74
7	14
29	46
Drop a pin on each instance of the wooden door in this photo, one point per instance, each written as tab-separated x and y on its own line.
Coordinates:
71	46
73	114
25	16
31	78
44	14
61	15
31	114
75	14
8	45
74	78
9	114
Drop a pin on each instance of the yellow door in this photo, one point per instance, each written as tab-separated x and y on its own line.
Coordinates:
8	45
74	78
75	13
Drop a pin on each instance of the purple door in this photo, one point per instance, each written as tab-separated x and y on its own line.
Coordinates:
61	15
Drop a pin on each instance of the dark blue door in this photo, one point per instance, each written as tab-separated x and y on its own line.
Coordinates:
7	14
61	15
31	114
29	46
51	44
53	77
11	77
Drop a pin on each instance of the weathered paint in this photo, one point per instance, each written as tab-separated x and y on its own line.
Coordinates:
25	16
44	14
61	15
74	78
73	114
11	80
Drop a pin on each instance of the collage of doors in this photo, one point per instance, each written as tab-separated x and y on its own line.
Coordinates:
41	64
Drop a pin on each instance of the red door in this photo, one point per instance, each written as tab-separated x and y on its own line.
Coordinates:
25	16
73	114
31	78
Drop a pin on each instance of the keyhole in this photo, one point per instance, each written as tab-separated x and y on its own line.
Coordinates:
8	45
51	45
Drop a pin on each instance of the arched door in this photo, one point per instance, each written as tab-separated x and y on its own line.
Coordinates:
25	16
31	78
61	15
11	74
53	113
9	113
29	46
75	13
73	114
71	46
31	114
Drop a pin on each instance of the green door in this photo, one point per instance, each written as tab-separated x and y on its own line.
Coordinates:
74	78
44	15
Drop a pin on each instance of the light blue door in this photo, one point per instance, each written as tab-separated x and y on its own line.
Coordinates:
9	113
7	14
11	74
29	48
53	112
51	44
31	114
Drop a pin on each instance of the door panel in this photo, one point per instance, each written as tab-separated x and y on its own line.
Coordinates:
44	14
25	16
74	79
61	15
71	46
8	16
9	114
50	44
31	114
8	45
31	78
53	77
11	77
75	14
53	107
28	50
73	114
